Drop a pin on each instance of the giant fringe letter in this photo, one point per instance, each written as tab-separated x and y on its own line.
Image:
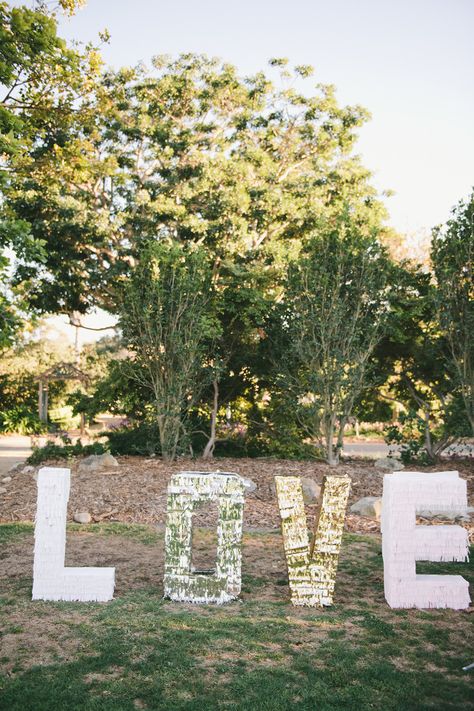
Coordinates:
312	570
185	492
51	580
403	542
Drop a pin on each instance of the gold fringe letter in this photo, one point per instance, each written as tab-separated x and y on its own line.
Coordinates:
312	570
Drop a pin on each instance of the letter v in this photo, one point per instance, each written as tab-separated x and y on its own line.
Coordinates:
312	569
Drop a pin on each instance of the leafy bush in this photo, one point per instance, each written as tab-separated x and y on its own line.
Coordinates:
142	439
409	434
51	450
21	420
266	443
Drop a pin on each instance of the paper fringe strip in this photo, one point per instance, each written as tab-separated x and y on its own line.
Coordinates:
312	571
51	580
403	542
185	492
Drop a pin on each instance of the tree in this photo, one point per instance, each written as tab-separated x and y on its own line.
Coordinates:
47	94
414	363
333	316
9	317
452	255
168	321
190	151
19	366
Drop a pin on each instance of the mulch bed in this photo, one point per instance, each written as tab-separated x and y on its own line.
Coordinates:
136	490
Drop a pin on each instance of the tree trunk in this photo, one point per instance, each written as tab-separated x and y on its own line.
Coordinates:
331	457
168	427
428	442
340	438
209	449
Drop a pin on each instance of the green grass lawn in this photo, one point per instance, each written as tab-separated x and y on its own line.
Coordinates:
142	652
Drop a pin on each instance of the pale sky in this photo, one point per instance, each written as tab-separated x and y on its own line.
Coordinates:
410	62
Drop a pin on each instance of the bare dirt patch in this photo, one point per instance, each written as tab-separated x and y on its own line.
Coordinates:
112	673
40	639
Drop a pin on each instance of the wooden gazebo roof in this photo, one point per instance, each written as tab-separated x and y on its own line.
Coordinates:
63	371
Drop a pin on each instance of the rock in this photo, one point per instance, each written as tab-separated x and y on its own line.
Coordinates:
369	506
448	514
311	490
15	467
389	464
28	469
6	479
249	485
97	462
3	490
378	508
82	517
108	460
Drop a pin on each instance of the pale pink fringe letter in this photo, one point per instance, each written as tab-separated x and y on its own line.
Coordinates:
403	542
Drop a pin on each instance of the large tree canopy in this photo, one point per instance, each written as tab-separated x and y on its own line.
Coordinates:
245	166
102	170
45	86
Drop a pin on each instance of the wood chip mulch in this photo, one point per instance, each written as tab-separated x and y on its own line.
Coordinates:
136	490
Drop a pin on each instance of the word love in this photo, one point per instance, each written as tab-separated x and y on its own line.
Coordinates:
311	567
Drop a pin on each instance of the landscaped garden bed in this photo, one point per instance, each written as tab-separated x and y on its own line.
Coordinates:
135	491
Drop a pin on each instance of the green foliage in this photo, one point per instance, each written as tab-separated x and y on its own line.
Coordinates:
169	322
21	364
142	439
452	255
107	163
409	434
455	421
248	194
423	439
117	391
21	420
334	314
53	451
427	353
9	320
47	87
190	150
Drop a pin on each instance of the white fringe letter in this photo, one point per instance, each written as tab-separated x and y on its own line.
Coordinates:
51	580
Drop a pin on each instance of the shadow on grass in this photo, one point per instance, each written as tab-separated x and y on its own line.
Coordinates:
257	654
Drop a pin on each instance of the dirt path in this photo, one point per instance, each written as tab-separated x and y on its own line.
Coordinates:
13	449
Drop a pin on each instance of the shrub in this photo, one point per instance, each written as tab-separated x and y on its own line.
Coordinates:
142	439
21	420
409	434
52	450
